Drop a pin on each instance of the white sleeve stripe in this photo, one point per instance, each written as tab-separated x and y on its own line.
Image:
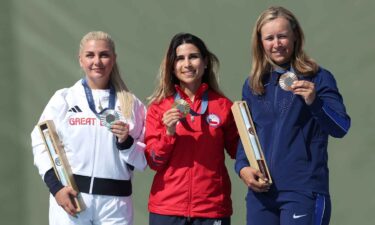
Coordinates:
343	124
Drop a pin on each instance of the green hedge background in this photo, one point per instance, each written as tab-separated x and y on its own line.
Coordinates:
39	44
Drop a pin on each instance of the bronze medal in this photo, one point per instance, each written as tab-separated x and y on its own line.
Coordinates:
286	80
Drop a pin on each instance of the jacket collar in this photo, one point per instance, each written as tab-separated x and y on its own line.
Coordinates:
278	71
198	95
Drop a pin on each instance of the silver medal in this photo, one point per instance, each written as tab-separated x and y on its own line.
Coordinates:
108	117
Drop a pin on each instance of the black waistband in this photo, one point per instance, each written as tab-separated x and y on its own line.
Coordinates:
103	186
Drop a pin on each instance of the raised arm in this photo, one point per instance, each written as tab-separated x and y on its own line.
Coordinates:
159	144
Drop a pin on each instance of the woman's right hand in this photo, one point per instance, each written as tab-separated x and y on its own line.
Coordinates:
254	179
64	198
170	119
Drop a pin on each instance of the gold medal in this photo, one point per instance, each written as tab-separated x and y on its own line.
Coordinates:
182	106
108	117
286	80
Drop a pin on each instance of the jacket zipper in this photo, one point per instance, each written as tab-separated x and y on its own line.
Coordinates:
189	195
97	126
275	127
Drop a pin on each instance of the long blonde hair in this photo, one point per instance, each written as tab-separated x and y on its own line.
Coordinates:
262	64
166	77
125	98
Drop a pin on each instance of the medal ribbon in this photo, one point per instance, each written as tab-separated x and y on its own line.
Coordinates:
281	70
90	98
203	106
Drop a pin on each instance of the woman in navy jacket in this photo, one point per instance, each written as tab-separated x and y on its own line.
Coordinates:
293	118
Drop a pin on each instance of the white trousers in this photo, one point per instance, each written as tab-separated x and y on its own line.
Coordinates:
100	210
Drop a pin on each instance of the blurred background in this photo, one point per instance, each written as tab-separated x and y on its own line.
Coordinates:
39	43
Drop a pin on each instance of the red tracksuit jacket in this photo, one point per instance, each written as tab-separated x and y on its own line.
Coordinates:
191	179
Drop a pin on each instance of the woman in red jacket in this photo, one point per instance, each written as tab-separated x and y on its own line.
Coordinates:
186	147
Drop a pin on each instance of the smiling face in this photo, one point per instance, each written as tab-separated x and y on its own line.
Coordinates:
96	58
189	66
278	40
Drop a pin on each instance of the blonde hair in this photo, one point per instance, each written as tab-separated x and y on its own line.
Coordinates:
166	77
262	64
123	94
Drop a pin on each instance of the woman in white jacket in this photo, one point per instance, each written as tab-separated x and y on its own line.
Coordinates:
101	156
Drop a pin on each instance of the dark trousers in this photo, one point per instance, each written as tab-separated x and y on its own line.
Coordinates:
157	219
288	208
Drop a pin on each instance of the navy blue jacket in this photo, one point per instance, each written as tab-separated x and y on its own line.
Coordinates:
293	135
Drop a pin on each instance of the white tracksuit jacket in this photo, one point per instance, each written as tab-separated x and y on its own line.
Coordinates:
90	147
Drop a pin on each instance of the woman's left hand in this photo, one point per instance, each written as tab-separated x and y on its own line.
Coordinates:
306	89
121	130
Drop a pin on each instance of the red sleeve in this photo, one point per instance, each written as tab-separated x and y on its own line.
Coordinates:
231	136
159	145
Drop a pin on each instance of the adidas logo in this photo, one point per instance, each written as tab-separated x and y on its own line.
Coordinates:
75	109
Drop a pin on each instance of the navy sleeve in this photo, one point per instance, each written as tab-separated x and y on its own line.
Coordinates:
328	108
241	159
53	183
